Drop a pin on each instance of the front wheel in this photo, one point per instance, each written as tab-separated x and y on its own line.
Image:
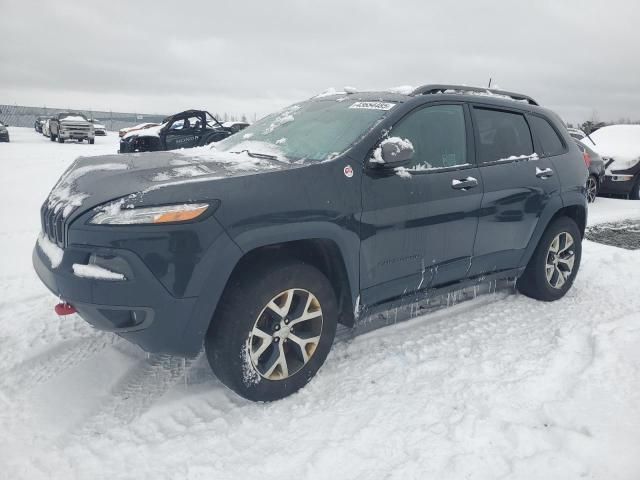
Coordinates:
273	330
592	188
91	141
60	139
555	262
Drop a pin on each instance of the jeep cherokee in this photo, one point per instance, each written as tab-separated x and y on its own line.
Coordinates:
330	211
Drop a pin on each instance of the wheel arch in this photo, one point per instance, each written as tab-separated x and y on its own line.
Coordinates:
576	212
323	253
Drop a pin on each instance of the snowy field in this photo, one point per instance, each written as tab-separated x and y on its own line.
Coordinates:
498	387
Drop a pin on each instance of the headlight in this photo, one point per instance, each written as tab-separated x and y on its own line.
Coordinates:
115	215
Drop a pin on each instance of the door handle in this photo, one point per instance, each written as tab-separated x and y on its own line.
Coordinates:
543	173
464	183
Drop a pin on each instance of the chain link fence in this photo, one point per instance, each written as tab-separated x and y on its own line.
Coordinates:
22	116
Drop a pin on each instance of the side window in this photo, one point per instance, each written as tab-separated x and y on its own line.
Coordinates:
195	123
177	125
438	136
502	135
547	136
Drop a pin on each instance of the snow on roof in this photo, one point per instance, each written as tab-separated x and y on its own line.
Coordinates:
620	142
74	118
401	89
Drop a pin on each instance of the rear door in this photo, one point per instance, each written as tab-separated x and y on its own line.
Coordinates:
419	224
518	183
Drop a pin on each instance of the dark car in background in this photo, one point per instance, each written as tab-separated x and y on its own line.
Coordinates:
4	133
334	210
37	125
235	126
619	146
596	166
191	128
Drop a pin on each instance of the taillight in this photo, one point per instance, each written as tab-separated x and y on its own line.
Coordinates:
587	159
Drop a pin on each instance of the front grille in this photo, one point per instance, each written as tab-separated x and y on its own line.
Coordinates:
53	224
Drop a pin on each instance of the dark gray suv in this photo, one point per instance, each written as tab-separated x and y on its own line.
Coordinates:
330	211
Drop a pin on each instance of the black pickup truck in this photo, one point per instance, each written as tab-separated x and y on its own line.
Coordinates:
191	128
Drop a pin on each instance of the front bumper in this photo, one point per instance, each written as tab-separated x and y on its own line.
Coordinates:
76	135
611	187
138	308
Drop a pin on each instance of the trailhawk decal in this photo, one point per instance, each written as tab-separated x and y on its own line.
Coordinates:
348	171
373	105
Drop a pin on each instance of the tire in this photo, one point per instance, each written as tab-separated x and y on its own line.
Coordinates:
60	139
91	141
534	282
52	137
251	364
592	188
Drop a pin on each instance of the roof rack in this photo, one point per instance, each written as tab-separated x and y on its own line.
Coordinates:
461	89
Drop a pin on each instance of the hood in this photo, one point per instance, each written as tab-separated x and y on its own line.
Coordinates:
151	178
618	142
153	131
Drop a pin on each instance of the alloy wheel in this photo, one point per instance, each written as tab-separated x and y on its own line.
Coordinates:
592	189
286	334
560	260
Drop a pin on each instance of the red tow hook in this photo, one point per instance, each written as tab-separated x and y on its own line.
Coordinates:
64	309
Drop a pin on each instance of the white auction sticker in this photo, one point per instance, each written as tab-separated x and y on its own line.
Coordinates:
373	105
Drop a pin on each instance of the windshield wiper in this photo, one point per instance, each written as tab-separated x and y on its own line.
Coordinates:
257	155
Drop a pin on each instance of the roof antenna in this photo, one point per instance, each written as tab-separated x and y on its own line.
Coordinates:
489	86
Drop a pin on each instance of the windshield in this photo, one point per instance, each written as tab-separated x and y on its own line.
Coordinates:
211	121
314	130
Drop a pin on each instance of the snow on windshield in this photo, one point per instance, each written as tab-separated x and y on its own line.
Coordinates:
285	117
314	130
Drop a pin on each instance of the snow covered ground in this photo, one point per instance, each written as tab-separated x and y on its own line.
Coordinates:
498	387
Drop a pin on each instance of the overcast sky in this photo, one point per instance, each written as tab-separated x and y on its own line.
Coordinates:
577	57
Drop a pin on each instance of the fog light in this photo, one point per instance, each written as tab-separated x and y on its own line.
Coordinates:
621	178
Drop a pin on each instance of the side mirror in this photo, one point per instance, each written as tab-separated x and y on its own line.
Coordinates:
393	152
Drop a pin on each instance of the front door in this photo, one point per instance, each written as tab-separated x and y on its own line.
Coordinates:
419	224
518	183
184	132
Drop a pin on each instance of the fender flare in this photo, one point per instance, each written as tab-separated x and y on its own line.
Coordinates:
231	251
551	211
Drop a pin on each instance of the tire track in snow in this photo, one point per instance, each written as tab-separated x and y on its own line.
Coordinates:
145	383
22	378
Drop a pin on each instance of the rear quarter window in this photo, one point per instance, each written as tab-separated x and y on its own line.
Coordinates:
549	139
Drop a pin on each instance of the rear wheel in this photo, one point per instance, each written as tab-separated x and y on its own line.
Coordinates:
592	188
273	330
91	141
555	262
60	139
52	137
